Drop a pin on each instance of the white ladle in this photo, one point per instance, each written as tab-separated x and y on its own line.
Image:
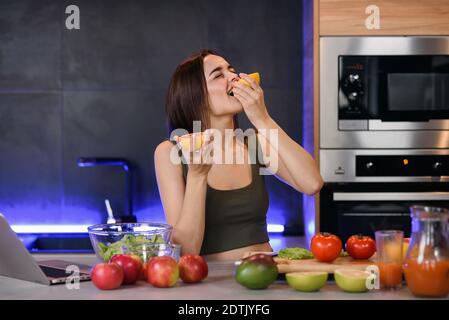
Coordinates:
111	218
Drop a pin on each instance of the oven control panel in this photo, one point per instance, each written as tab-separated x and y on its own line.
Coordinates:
402	165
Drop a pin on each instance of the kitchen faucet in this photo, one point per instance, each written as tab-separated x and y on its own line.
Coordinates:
115	162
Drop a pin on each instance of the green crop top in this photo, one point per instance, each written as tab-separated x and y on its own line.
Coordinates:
235	218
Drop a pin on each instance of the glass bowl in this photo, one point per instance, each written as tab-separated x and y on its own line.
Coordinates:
148	251
110	239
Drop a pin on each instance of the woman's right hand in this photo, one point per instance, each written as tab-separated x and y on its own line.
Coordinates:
199	160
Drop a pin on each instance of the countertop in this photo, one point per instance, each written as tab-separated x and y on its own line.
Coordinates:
220	285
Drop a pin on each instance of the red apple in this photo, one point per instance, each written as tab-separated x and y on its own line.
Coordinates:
107	276
143	274
162	272
131	265
139	261
192	268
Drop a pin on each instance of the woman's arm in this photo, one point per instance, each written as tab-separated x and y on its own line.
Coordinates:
295	166
184	204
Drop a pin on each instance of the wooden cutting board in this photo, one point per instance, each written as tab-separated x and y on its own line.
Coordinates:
286	265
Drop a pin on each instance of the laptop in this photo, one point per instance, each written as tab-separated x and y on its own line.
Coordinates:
17	262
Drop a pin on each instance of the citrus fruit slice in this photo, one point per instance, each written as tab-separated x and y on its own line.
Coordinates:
306	281
351	280
191	142
255	76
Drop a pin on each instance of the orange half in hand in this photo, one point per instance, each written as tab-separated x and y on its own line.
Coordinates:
255	76
188	140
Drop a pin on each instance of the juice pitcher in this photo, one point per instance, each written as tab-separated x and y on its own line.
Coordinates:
426	266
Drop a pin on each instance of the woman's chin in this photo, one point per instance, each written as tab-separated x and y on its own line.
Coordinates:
233	107
236	105
236	111
239	109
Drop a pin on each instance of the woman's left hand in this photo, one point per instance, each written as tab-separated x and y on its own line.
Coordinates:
252	99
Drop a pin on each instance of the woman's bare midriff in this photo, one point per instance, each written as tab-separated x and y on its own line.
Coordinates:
237	254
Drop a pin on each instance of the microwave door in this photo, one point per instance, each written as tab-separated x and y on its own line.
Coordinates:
416	97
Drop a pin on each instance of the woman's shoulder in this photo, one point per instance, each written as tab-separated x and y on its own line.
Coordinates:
163	150
164	145
168	168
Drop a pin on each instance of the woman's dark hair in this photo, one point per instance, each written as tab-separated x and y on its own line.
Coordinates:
187	94
187	98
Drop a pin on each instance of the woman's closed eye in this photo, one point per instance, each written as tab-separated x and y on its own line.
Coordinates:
218	76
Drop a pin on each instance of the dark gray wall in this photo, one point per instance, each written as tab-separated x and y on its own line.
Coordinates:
99	91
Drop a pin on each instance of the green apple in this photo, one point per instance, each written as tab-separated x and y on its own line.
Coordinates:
306	281
351	280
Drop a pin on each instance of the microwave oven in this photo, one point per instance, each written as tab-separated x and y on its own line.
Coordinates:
410	88
384	93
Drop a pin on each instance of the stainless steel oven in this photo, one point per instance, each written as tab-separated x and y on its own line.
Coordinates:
384	130
372	189
353	208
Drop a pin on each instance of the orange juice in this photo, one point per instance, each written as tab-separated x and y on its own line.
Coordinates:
390	274
429	278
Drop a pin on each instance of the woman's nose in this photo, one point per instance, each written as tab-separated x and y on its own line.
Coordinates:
233	77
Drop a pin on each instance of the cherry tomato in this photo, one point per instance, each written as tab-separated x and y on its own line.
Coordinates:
360	247
326	247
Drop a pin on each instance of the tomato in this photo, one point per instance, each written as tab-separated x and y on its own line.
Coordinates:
107	276
131	265
326	247
360	247
257	271
192	268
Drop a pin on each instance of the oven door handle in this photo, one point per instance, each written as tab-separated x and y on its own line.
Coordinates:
391	196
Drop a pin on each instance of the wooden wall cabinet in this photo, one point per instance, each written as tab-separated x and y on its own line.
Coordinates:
383	17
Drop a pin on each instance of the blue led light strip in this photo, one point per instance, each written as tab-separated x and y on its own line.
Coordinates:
76	228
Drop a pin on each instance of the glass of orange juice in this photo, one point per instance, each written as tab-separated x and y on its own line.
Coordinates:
389	258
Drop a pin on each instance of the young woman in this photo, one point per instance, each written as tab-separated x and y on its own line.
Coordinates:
219	210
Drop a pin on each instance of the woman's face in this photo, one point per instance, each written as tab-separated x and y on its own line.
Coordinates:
219	76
